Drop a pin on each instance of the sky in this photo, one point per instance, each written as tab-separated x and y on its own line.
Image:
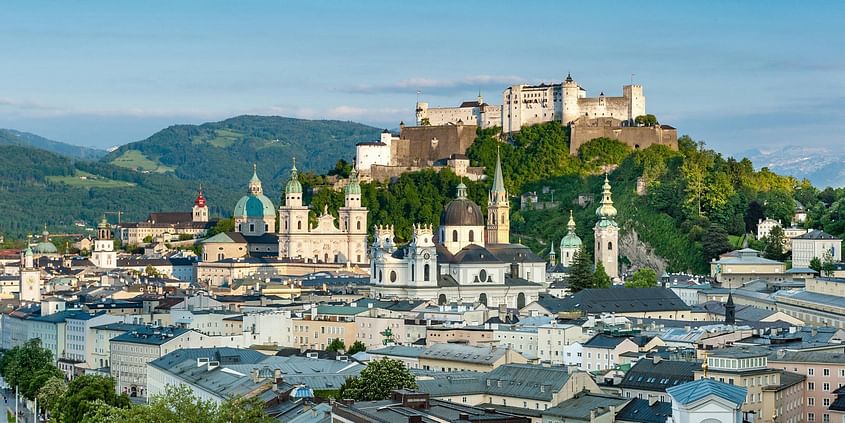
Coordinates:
737	75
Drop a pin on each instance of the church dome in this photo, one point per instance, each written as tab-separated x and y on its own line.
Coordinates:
254	205
570	241
353	187
46	247
462	211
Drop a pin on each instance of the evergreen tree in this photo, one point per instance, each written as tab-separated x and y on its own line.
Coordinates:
715	242
336	345
600	278
774	244
580	274
827	265
356	347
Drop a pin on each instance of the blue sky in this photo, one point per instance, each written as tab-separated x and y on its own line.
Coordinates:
737	75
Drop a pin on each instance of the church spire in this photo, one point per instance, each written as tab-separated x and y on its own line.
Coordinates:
730	310
606	212
254	182
498	180
293	186
571	224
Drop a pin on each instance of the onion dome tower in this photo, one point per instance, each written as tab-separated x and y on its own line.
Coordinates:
607	233
570	243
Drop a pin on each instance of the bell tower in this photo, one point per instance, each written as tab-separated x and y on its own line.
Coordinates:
104	255
498	206
353	220
29	289
607	233
200	209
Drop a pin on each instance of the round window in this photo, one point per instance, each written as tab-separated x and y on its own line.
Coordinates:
483	275
393	276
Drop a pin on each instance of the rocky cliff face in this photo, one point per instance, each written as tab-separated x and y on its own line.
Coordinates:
639	253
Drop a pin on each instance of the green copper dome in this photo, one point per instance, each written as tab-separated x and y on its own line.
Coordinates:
353	187
46	248
254	205
293	186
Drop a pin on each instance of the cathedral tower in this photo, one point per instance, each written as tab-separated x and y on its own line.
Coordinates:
607	234
570	243
353	220
498	222
200	208
293	218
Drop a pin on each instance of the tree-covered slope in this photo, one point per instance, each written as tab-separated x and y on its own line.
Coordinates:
221	154
13	137
38	187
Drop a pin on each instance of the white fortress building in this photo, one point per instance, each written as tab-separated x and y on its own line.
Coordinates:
532	104
466	261
475	112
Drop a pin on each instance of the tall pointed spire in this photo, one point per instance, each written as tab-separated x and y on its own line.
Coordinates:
498	180
571	224
606	212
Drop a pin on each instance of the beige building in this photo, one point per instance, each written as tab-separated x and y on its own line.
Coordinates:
820	303
324	323
603	352
461	357
736	268
475	112
815	244
526	387
773	395
469	335
169	225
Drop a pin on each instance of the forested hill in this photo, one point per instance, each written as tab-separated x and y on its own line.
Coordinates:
38	187
13	137
220	154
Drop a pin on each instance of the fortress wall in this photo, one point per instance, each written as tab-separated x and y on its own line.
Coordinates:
637	137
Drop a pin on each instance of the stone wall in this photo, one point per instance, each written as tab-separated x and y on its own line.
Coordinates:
424	145
636	137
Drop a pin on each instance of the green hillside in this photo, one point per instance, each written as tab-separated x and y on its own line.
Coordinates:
220	154
13	137
38	187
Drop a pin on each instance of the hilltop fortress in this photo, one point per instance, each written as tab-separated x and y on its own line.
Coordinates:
566	102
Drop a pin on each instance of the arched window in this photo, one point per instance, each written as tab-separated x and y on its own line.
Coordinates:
427	272
286	225
299	225
520	300
252	227
482	299
358	225
413	272
609	245
393	276
471	235
441	300
494	218
380	275
266	228
455	236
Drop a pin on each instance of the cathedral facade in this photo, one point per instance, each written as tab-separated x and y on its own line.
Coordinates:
344	242
465	261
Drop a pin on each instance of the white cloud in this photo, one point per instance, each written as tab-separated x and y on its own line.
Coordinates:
429	85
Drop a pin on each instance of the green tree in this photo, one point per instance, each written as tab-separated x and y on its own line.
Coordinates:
39	379
425	122
646	120
22	365
580	274
600	278
222	226
151	271
336	345
82	393
827	264
148	239
816	264
715	242
356	347
642	278
179	404
50	394
341	169
774	244
603	151
378	380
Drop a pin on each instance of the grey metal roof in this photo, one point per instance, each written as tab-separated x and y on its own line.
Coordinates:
649	375
512	380
833	357
580	406
816	234
642	411
604	341
616	300
151	336
744	351
463	353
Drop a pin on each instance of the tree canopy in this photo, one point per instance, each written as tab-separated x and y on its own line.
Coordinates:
378	380
642	278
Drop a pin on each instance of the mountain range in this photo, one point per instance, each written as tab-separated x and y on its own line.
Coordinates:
13	137
823	166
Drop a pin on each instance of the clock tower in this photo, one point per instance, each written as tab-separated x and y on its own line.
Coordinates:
423	269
